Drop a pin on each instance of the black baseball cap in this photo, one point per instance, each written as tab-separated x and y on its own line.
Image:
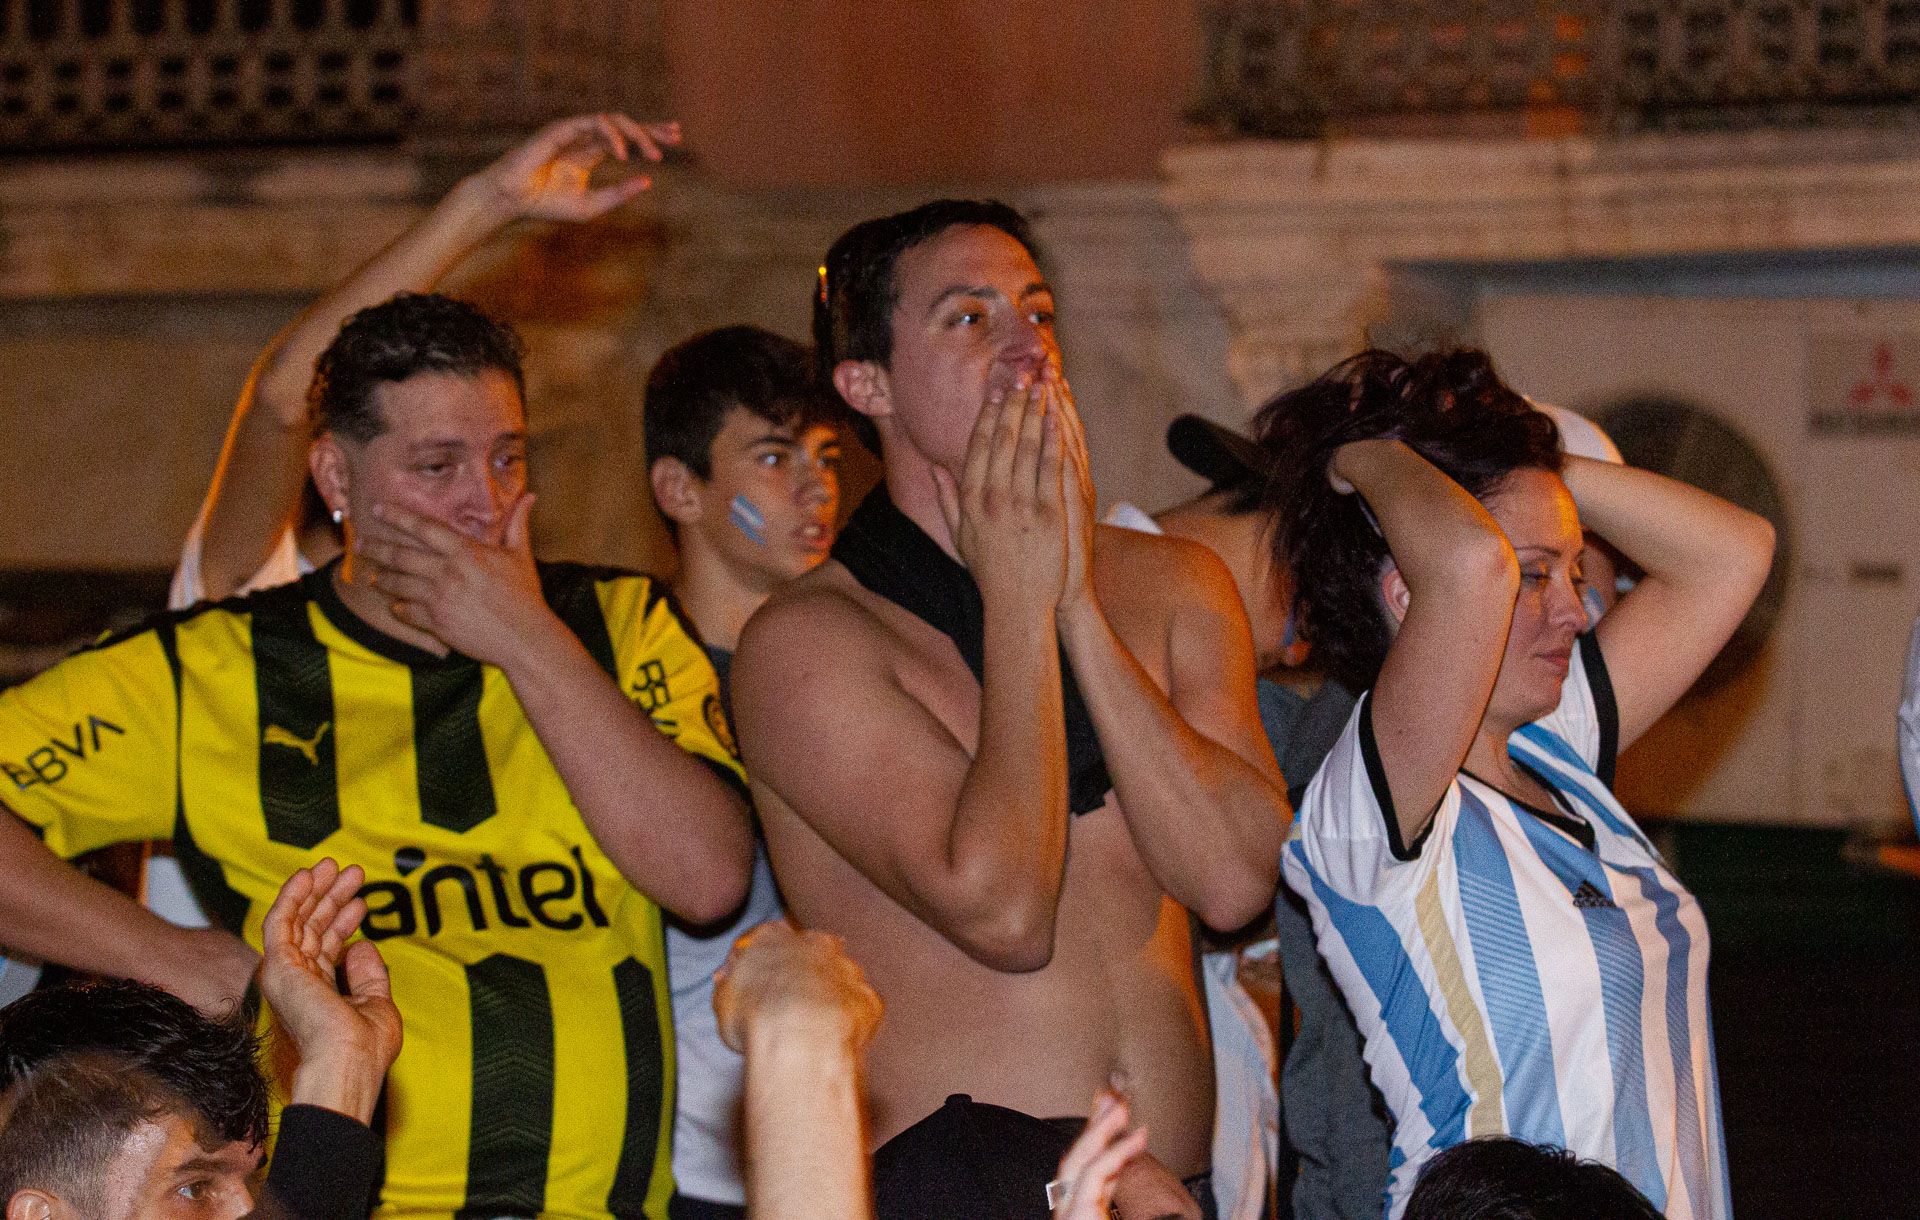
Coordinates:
969	1160
1216	453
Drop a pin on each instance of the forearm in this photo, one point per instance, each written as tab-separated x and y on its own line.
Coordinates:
806	1141
1679	535
1207	822
54	912
672	827
1006	851
1430	522
413	262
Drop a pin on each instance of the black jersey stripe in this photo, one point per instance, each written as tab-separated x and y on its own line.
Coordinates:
209	885
449	754
299	783
511	1132
572	591
649	1092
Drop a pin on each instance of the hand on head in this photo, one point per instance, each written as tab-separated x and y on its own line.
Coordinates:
780	976
346	1042
547	177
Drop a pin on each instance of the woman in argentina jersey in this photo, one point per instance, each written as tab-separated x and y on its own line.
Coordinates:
1517	956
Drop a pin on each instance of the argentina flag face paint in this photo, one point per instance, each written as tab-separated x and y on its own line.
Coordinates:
748	519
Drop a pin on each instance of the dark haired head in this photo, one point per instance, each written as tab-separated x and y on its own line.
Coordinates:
1499	1178
412	333
695	384
212	1066
858	288
62	1124
1451	408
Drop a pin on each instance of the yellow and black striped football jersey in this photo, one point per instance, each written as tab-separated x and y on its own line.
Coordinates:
265	732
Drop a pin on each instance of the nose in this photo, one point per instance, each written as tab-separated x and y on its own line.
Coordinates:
814	482
1025	343
486	495
1571	606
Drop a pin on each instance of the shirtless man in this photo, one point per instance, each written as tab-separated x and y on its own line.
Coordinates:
921	812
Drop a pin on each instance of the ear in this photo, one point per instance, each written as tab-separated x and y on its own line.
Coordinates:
1394	592
31	1205
864	386
327	462
676	490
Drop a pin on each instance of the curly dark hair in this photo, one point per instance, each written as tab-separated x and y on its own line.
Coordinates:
213	1066
415	332
1451	408
854	300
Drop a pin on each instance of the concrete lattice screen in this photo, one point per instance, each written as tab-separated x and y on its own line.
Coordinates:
102	74
1307	68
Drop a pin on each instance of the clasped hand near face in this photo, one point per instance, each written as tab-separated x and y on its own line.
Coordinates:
1021	513
477	598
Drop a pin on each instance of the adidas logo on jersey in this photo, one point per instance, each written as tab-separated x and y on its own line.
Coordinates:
553	894
1589	897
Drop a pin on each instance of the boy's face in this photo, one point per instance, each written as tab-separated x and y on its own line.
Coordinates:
768	507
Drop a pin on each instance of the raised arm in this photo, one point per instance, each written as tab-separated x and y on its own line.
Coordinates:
1192	768
1456	583
1704	560
798	1008
973	844
256	486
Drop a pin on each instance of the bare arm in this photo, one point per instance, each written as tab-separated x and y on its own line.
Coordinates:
1704	560
673	828
1460	583
801	1012
1193	770
263	465
975	846
54	912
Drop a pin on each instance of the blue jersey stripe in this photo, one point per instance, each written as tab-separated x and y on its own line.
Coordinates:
1568	770
1622	992
1433	1062
1679	1029
1509	977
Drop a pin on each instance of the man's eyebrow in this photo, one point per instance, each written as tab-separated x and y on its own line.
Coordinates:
773	438
986	290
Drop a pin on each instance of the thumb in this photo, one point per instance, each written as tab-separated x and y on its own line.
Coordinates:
366	970
517	532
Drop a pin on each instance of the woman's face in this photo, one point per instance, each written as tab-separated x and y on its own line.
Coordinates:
1536	512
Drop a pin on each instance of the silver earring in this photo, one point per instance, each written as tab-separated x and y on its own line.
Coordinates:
339	515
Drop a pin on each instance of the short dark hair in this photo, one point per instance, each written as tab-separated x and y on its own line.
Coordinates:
1501	1178
854	299
64	1121
212	1066
695	384
415	332
1450	407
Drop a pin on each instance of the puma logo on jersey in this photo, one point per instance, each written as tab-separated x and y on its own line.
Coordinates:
309	746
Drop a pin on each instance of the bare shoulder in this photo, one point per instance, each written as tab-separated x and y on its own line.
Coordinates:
1146	571
821	615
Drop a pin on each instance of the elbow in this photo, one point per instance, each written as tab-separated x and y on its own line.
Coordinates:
726	872
1016	939
1234	902
1758	542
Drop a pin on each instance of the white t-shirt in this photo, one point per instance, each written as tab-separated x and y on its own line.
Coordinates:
1543	976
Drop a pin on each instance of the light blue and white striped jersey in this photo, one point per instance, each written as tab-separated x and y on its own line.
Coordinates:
1541	976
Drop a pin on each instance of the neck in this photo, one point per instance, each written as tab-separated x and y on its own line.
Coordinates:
1487	757
374	607
910	483
715	597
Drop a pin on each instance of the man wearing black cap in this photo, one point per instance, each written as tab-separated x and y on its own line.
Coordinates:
1333	1127
1003	753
